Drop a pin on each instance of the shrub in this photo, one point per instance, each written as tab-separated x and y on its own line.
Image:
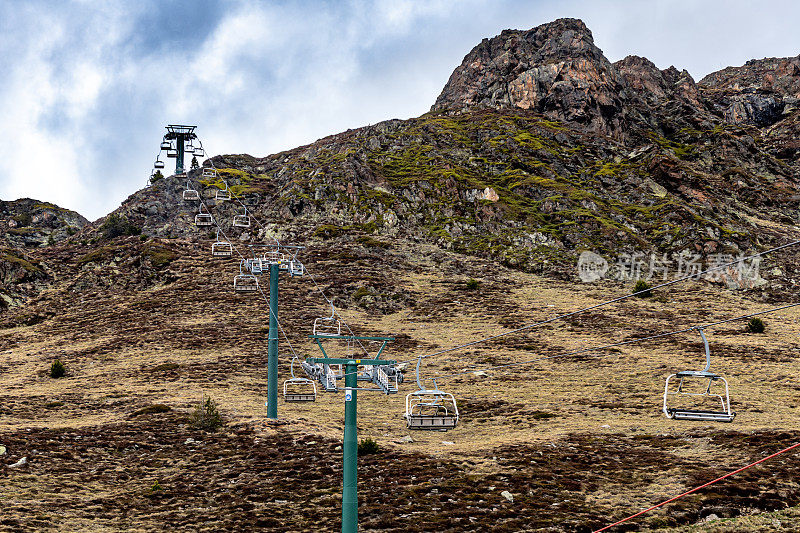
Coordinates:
115	225
157	175
50	240
156	487
756	325
643	289
368	446
473	284
206	415
57	369
71	230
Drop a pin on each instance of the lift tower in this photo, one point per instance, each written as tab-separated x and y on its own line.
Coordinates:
178	142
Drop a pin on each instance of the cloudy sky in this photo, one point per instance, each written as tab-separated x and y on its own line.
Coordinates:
88	86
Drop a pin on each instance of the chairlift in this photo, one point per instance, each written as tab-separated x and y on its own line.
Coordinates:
299	389
224	194
188	149
201	218
242	221
199	152
273	257
430	409
296	268
166	145
255	265
221	248
688	389
209	172
172	153
328	326
190	195
244	282
159	164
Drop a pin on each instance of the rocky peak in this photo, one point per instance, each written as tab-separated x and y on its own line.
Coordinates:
555	69
760	92
654	85
27	222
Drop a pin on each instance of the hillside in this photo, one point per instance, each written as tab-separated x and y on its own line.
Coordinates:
438	230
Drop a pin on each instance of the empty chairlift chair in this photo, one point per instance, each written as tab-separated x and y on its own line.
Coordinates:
242	221
430	409
244	282
190	195
202	218
209	172
299	389
223	195
328	326
159	164
697	389
221	248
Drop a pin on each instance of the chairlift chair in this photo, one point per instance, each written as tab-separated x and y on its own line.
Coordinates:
430	409
166	145
299	389
242	221
188	149
685	390
255	265
244	282
158	164
296	268
224	194
172	153
221	248
190	195
328	326
273	257
203	219
209	172
199	152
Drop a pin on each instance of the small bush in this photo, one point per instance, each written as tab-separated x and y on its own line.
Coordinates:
50	240
115	226
206	416
71	230
57	369
368	446
756	325
473	284
157	176
643	289
156	487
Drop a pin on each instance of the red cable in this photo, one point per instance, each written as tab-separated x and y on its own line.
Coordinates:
697	488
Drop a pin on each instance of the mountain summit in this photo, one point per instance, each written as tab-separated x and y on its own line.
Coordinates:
554	69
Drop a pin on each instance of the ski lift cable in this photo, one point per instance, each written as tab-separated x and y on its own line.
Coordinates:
263	295
704	485
336	313
617	344
596	306
602	304
313	279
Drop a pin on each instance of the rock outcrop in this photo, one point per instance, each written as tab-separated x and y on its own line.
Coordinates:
27	223
760	92
554	69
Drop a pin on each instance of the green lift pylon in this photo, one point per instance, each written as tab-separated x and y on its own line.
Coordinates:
272	345
177	136
350	444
